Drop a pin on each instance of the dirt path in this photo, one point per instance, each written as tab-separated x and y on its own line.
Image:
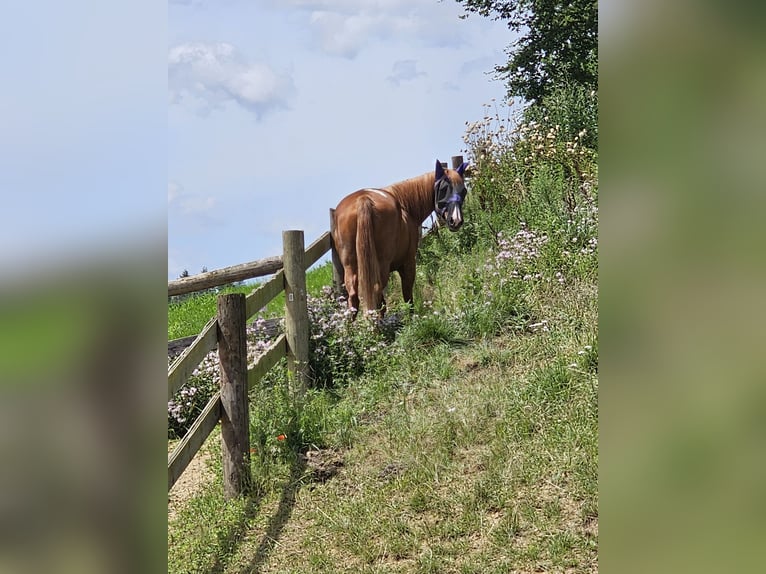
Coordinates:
196	475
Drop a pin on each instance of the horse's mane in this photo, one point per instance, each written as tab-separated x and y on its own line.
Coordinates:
415	195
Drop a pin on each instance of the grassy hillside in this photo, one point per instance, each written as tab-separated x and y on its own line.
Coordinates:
467	442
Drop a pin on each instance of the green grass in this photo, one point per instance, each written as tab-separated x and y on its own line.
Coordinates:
459	456
467	444
472	458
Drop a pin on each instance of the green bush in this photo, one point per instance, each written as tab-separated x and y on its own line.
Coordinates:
341	349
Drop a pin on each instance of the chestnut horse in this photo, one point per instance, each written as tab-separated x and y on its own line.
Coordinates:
377	231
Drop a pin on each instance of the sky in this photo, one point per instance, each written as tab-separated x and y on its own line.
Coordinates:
277	109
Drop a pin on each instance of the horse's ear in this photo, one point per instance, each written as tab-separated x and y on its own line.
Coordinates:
439	170
462	168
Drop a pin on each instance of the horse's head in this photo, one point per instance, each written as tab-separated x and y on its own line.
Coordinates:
449	193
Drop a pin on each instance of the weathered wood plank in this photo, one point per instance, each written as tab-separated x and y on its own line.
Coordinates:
317	249
270	328
265	362
296	310
264	293
235	420
219	277
337	268
184	365
186	449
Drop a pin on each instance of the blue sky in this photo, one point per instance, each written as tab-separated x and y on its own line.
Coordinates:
279	108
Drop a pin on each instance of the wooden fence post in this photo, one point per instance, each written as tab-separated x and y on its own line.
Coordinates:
296	310
235	423
337	269
457	161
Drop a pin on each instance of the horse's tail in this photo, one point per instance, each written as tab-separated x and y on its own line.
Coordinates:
366	255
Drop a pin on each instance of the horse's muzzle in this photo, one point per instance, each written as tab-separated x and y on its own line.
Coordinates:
454	216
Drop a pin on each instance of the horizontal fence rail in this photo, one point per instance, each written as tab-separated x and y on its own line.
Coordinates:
243	271
183	367
261	296
223	276
266	361
193	439
315	251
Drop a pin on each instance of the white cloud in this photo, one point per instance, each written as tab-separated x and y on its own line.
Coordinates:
212	75
342	34
345	27
404	71
183	203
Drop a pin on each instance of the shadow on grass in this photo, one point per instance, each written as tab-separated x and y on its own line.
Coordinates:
274	530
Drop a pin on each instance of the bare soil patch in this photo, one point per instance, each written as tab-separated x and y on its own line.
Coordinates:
196	475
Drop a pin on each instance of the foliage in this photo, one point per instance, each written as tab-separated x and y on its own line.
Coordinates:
340	349
558	46
553	66
529	171
574	108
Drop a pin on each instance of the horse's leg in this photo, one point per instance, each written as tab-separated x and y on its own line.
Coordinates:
351	280
407	269
381	298
341	272
407	275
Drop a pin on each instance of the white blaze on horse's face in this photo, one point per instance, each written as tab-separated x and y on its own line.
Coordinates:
454	217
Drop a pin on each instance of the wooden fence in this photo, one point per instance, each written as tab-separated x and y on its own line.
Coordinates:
227	332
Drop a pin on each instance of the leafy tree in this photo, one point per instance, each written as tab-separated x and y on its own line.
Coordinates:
558	46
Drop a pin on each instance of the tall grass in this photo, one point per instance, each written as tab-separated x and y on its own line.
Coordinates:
467	442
